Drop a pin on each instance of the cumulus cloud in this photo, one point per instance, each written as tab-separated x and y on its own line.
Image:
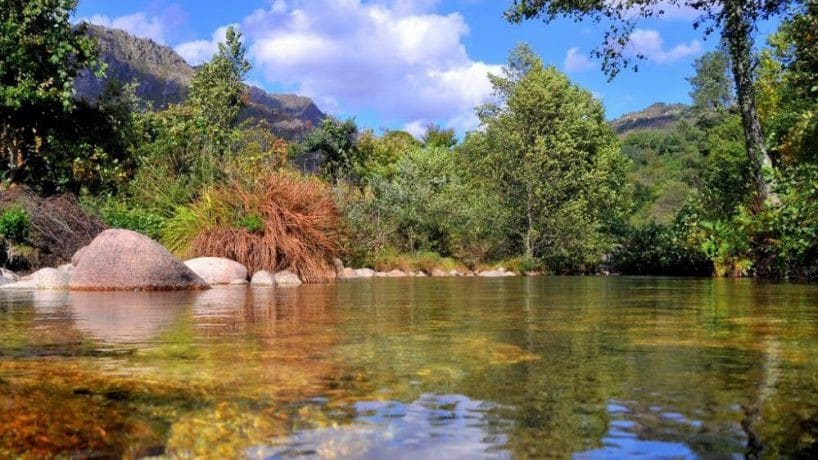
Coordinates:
393	57
155	24
139	24
576	61
650	44
200	51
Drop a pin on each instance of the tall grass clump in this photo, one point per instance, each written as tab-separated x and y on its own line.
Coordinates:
281	220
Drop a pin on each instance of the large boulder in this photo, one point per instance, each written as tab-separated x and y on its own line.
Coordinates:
45	279
218	270
122	260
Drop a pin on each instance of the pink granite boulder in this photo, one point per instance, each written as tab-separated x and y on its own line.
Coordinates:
122	260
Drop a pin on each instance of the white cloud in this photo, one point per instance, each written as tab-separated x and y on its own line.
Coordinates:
393	57
200	51
576	61
139	24
650	44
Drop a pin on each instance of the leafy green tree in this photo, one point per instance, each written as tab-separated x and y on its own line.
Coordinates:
711	86
434	205
218	90
555	161
335	141
438	137
789	86
379	156
737	21
40	56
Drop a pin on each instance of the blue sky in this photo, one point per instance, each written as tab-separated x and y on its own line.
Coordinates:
401	64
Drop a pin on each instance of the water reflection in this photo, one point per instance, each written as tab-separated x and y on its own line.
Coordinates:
126	317
589	367
432	427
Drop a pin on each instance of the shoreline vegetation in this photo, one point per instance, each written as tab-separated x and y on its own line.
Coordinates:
545	185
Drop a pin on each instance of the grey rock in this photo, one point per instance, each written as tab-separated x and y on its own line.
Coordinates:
287	278
217	270
364	273
263	278
45	279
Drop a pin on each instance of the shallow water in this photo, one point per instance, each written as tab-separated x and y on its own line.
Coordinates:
586	368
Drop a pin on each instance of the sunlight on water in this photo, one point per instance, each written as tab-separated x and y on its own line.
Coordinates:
415	368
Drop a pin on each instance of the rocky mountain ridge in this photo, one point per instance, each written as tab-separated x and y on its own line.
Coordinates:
657	116
163	77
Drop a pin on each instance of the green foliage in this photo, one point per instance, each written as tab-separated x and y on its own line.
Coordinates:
15	224
712	87
335	141
41	53
548	152
378	156
217	92
432	205
118	214
253	223
656	249
438	137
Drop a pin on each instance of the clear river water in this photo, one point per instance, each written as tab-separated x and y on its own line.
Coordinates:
552	367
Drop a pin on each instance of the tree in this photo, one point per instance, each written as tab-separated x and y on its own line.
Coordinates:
737	20
555	161
335	141
438	137
218	90
40	56
711	87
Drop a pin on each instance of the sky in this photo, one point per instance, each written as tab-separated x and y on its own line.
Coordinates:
402	64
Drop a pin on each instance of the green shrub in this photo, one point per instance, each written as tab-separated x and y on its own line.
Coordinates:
117	214
15	224
656	249
253	223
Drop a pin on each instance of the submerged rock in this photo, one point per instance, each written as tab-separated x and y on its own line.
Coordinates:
218	270
122	260
45	279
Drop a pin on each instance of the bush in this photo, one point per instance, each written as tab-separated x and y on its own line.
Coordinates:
284	220
118	214
15	224
421	261
660	250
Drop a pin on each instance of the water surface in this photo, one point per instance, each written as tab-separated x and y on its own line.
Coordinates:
581	368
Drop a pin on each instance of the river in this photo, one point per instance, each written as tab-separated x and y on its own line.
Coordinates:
557	367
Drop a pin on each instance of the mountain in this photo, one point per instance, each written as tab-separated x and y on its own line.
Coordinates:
657	116
163	77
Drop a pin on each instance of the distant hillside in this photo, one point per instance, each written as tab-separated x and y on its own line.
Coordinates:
163	78
657	116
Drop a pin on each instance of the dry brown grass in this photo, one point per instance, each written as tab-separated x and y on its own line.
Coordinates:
298	232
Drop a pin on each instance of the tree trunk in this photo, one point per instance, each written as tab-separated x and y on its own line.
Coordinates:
529	234
738	36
